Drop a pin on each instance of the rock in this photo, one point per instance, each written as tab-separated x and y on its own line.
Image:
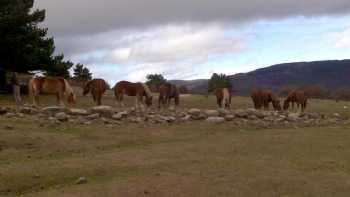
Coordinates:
53	109
81	180
336	115
120	115
61	116
78	112
104	111
185	118
137	120
262	114
251	111
223	112
10	115
229	117
28	110
241	113
216	119
253	117
293	117
194	111
3	111
92	117
211	113
200	116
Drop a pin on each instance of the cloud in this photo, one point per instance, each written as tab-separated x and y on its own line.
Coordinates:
173	50
90	16
341	40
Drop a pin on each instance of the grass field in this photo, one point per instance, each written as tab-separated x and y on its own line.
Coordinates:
190	159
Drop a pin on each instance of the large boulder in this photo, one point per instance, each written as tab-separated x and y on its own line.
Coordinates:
211	113
78	112
104	111
223	112
216	119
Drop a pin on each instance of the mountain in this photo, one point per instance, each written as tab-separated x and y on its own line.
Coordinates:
330	74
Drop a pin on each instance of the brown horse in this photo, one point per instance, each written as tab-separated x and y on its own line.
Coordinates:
168	91
263	98
139	90
297	97
97	87
51	85
223	98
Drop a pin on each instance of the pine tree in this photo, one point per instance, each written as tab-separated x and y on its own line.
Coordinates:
218	81
81	73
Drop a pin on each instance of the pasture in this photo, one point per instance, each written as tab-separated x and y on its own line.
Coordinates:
189	159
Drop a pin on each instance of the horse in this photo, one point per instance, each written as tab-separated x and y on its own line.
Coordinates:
263	98
297	97
223	97
139	90
51	85
168	91
97	87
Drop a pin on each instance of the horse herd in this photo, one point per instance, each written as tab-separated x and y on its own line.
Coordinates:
143	95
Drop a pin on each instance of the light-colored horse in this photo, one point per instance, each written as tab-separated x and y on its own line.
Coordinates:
223	98
51	85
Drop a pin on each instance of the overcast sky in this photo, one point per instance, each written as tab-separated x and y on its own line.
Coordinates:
188	39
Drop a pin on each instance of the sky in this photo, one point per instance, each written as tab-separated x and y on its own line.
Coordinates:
192	39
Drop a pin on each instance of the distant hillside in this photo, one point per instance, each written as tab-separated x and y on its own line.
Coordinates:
331	74
195	86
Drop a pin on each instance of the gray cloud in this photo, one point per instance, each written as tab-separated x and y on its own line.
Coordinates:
91	16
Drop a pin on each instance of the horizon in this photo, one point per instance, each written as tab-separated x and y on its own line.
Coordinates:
119	41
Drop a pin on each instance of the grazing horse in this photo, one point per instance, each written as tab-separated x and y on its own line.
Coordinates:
223	97
139	90
97	87
167	91
51	85
263	98
297	97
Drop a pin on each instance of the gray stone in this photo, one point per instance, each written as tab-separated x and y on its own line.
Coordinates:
216	119
120	115
104	111
81	180
211	113
229	117
61	116
293	117
78	112
223	112
3	111
241	113
93	116
194	111
53	109
185	118
28	110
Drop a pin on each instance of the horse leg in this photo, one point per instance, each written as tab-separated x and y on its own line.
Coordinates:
99	98
60	99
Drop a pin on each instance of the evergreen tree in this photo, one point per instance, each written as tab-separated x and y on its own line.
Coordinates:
23	45
155	79
219	81
81	73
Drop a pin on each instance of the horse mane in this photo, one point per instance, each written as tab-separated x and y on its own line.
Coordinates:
147	90
67	88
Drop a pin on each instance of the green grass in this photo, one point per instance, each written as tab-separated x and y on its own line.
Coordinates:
192	159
